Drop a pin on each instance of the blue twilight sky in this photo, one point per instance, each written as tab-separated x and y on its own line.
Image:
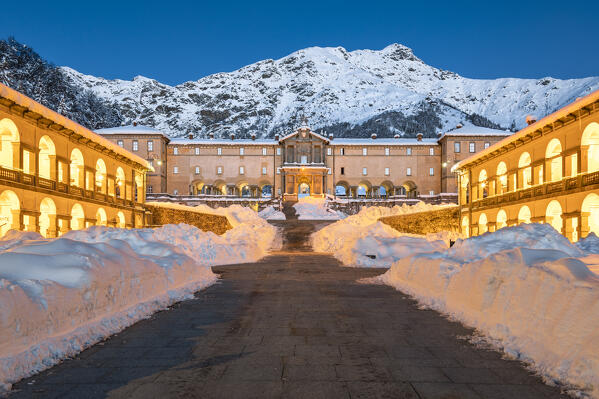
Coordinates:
174	41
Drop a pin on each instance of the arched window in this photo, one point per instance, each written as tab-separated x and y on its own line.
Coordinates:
9	212
100	175
47	218
482	224
9	144
483	184
77	168
553	215
464	189
501	183
120	183
77	217
501	220
590	147
101	219
554	159
138	188
524	215
525	170
120	220
47	158
590	210
466	226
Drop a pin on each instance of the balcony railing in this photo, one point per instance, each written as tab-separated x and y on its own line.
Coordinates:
16	176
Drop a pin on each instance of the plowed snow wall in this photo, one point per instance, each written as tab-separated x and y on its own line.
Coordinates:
425	222
215	223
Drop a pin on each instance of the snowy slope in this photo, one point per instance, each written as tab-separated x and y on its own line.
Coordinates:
348	93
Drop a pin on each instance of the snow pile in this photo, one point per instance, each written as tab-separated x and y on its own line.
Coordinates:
59	296
312	208
361	240
527	288
270	213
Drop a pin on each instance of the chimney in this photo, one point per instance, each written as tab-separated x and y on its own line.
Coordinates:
459	126
396	136
134	123
190	135
253	136
211	135
439	134
331	136
530	119
373	136
277	137
419	137
232	136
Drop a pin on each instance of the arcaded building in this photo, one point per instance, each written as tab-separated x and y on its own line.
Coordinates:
305	162
56	175
547	172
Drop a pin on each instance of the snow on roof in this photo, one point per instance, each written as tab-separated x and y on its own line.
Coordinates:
560	113
390	141
55	117
472	130
223	142
310	131
130	129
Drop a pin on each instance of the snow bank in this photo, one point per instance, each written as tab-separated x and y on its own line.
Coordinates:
59	296
311	208
527	288
270	213
361	240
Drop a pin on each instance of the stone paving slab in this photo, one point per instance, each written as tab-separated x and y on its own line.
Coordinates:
294	325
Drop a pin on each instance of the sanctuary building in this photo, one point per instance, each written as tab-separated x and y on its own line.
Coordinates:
304	162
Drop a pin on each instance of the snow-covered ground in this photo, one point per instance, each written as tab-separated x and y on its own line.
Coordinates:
59	296
526	288
356	239
270	213
312	208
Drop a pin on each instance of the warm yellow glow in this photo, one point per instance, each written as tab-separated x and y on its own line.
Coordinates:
76	168
101	219
524	215
77	217
590	207
9	211
120	220
553	215
9	144
47	218
47	158
590	143
501	220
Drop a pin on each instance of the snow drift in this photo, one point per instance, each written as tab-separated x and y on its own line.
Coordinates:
527	288
356	239
312	208
59	296
270	213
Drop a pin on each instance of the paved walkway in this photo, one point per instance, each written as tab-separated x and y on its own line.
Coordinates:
295	324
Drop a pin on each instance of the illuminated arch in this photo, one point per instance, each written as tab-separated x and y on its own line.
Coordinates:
590	207
526	170
47	218
120	220
524	215
466	226
9	211
77	217
501	219
120	182
9	144
342	189
47	158
221	186
483	185
364	188
590	144
482	224
501	174
552	153
77	168
139	183
553	215
100	175
101	218
388	187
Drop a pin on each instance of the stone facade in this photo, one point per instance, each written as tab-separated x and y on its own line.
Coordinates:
215	223
447	219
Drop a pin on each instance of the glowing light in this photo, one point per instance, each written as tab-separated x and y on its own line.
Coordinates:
444	164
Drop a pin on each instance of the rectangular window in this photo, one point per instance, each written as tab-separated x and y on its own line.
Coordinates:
487	145
431	151
120	143
175	150
264	170
150	189
304	159
264	151
387	151
341	151
150	145
278	150
135	145
241	170
176	170
241	151
386	171
197	150
219	170
364	151
471	147
364	171
431	171
456	147
342	170
409	172
219	151
197	170
329	151
431	192
408	151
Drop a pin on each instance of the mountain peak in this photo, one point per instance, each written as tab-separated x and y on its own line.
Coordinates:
398	52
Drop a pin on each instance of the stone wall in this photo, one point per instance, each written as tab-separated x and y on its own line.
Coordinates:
426	222
215	223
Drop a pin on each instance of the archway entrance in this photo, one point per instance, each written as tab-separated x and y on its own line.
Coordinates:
77	217
47	220
303	190
554	215
9	211
590	210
